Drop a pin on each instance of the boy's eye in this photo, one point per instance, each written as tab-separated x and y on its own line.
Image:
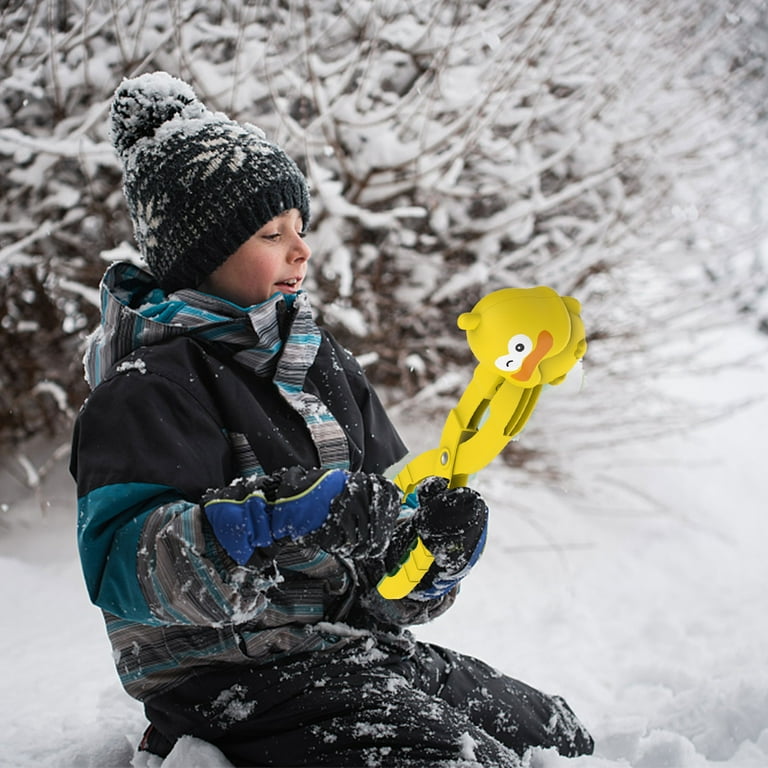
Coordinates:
276	235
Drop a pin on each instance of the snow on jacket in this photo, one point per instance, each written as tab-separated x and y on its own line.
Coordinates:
190	392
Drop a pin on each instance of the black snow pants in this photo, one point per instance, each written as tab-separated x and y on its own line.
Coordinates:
367	704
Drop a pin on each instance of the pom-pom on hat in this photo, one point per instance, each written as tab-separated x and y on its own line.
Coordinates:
198	185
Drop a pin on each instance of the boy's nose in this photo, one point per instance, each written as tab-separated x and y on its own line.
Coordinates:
300	251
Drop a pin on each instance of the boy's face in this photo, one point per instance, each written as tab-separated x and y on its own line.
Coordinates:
274	259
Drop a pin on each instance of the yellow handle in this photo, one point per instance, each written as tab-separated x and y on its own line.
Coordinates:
420	467
408	573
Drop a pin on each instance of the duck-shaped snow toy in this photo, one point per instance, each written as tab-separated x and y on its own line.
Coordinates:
523	339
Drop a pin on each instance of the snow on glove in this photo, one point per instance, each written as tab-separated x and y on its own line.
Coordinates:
362	518
452	523
349	514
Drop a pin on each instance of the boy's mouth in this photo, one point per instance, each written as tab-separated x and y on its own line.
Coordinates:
289	285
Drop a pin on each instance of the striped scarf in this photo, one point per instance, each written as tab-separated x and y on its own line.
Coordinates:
136	313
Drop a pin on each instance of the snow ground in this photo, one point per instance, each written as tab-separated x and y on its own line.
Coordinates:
641	598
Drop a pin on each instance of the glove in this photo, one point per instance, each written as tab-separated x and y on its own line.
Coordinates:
349	514
452	523
361	519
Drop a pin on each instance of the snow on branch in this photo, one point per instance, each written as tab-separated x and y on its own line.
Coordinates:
607	148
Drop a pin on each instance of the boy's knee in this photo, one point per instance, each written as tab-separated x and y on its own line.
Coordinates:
569	736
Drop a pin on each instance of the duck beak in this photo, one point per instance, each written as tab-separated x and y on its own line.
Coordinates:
544	343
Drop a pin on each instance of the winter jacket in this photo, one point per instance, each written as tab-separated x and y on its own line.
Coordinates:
189	393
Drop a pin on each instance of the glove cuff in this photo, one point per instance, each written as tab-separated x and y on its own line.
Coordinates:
296	516
290	504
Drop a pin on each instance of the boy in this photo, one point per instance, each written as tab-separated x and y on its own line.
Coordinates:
234	519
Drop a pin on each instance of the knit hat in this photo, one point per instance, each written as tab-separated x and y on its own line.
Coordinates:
198	185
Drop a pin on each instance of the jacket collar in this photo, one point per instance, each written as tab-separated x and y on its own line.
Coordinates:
136	312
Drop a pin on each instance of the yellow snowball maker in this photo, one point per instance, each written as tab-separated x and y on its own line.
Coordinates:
523	338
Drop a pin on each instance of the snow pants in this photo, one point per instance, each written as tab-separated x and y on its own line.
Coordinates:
366	705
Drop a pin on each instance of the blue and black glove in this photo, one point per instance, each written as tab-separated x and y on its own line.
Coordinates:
453	524
351	514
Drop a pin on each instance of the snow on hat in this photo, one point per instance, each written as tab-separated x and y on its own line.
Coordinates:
198	185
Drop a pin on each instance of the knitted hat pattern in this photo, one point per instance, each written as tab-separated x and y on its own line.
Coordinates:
197	184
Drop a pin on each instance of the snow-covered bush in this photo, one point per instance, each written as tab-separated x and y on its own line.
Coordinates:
452	148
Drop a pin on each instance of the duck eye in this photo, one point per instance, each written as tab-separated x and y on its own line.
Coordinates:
518	348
